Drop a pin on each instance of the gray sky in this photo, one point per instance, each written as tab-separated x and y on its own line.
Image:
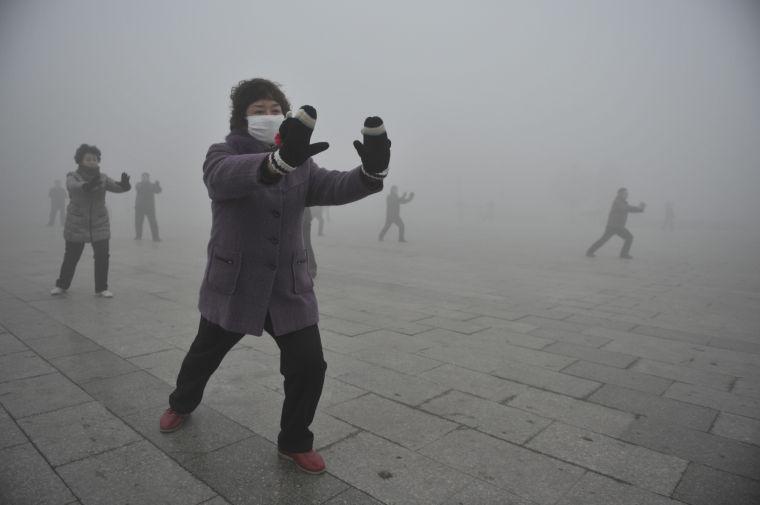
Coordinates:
545	107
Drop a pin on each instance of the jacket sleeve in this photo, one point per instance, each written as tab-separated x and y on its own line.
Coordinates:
113	186
332	187
633	208
73	183
228	175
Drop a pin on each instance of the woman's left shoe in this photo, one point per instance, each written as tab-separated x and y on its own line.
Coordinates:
309	462
104	294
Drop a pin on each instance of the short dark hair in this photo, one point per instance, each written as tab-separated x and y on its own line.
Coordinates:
252	90
621	190
85	149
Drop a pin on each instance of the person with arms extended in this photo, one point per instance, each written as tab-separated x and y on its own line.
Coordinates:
87	219
145	206
259	181
57	203
616	224
393	213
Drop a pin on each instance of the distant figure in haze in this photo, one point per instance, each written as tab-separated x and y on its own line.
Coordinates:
87	219
670	217
616	224
145	206
393	213
57	203
316	213
310	256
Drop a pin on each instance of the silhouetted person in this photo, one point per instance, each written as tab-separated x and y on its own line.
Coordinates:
316	213
145	206
393	213
616	224
670	217
57	203
310	256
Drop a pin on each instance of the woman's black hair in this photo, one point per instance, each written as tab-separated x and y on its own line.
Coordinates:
85	149
252	90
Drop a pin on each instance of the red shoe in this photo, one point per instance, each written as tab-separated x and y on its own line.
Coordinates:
309	462
171	421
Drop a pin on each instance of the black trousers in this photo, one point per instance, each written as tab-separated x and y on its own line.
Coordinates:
140	215
71	258
302	365
609	232
388	222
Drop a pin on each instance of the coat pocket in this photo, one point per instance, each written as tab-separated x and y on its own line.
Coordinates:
223	270
302	281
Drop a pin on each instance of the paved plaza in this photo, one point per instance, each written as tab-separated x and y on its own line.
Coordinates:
462	369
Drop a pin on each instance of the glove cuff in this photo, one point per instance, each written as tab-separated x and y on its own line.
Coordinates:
374	131
304	117
277	165
377	177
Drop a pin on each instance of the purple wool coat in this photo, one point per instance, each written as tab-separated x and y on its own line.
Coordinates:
257	261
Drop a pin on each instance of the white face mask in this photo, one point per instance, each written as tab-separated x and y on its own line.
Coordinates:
264	128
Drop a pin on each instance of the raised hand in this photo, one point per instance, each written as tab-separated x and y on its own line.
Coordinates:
294	140
375	151
124	183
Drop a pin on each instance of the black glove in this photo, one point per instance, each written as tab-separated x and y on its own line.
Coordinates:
92	184
293	139
375	152
124	183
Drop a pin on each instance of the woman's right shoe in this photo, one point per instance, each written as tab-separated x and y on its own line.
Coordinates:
171	421
57	291
309	462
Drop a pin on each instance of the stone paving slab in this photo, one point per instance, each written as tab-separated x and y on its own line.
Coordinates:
10	433
738	428
77	432
26	478
719	400
476	383
525	473
250	472
21	365
500	421
685	374
628	462
600	356
396	422
656	407
393	474
706	486
696	446
481	493
582	414
624	378
10	344
547	379
133	475
36	395
59	346
595	489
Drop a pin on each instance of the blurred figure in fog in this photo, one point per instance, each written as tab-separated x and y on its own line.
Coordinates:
670	218
87	219
393	213
57	202
316	213
145	206
616	224
310	256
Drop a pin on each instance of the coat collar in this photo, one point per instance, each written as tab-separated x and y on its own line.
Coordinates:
243	143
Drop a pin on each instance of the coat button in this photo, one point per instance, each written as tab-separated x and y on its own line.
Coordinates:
276	213
274	240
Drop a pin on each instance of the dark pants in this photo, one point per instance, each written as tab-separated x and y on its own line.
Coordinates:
302	364
140	215
388	222
55	210
71	258
608	233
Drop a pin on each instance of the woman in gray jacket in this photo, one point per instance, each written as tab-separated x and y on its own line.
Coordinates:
87	219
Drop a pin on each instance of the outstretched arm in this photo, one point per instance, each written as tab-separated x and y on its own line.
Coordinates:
405	199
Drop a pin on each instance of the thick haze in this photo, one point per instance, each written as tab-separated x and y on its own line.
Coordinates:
543	107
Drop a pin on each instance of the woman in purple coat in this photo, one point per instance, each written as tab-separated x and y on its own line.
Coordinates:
259	181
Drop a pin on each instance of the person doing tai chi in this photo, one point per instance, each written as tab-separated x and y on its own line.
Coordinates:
616	224
260	181
393	213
